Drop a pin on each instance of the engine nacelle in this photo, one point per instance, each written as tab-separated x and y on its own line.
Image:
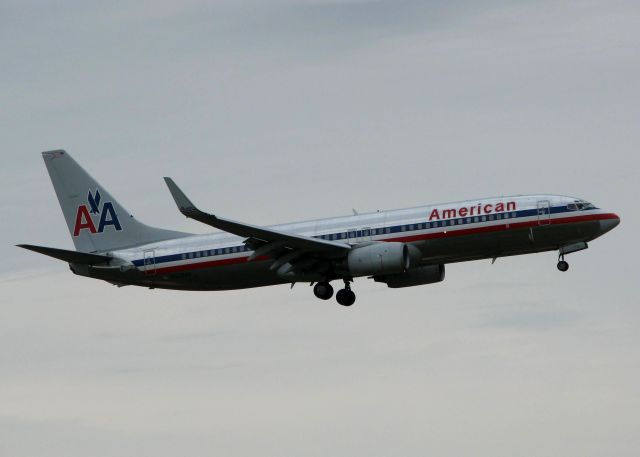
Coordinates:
379	259
427	274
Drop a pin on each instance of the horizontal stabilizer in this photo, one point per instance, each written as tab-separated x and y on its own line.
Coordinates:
67	256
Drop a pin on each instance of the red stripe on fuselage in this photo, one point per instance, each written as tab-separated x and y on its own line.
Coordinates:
452	231
423	236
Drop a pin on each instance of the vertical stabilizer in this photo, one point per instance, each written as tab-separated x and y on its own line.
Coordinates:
96	221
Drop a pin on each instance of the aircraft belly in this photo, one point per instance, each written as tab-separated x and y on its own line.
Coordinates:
505	242
228	277
223	277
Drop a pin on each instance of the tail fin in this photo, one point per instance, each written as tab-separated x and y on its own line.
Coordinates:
96	221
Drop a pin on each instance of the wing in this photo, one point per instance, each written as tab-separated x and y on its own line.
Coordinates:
264	240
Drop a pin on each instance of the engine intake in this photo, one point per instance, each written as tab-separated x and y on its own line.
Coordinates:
379	259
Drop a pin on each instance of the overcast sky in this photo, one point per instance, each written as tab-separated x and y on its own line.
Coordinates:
274	111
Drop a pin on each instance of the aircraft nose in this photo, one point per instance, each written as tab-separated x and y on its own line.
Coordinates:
609	223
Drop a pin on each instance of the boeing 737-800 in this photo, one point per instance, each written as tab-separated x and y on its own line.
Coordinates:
401	248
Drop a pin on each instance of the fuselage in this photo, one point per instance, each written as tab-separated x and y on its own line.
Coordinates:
443	233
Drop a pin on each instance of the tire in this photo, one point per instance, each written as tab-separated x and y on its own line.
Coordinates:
346	297
323	290
563	266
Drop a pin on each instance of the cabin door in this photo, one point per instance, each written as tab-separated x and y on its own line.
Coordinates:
544	212
149	262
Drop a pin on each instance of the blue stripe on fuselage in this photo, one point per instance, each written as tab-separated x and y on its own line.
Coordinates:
344	235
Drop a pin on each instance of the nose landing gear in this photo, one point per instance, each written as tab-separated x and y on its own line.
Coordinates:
562	264
568	249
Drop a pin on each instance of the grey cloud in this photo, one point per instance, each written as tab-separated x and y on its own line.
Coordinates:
281	111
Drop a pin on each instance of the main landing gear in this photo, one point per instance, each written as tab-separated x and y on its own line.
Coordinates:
345	297
323	290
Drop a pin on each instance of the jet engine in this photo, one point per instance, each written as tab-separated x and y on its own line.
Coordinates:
379	259
427	274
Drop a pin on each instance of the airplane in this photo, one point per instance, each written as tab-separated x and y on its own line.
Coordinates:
400	248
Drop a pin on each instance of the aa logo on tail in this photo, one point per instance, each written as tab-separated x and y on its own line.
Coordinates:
84	218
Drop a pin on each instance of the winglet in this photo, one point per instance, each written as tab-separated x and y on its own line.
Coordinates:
185	205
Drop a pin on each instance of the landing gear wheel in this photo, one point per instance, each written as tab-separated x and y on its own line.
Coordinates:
346	297
563	265
323	290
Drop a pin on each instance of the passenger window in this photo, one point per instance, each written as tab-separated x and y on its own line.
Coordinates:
476	219
184	256
513	215
490	217
468	220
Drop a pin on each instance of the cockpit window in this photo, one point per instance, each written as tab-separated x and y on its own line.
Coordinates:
580	205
